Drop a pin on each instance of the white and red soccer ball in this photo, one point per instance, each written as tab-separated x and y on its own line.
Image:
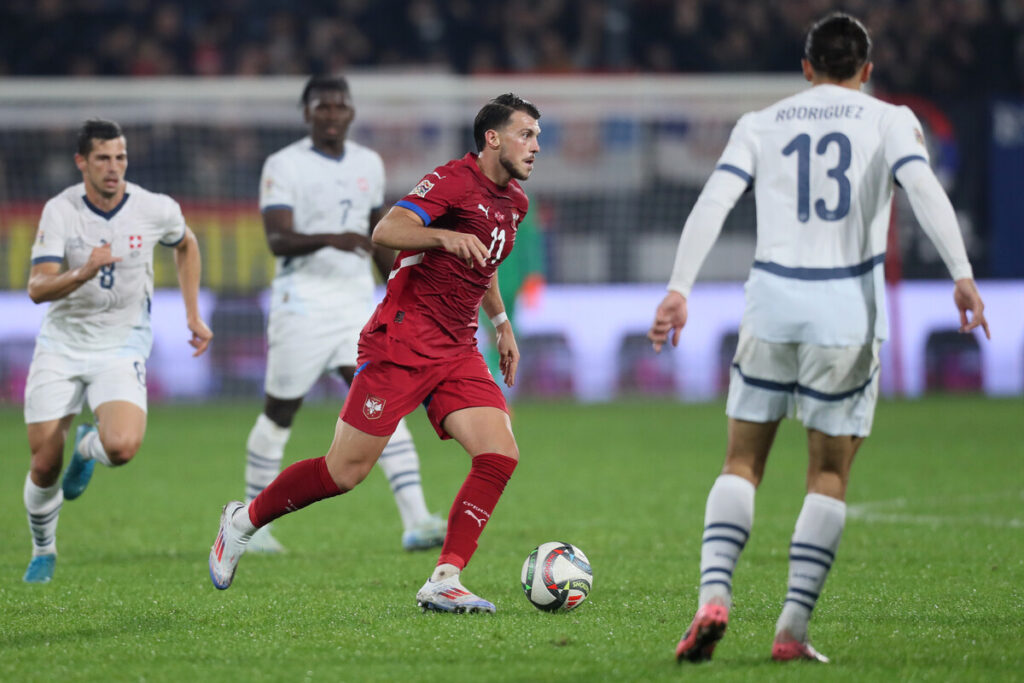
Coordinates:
557	576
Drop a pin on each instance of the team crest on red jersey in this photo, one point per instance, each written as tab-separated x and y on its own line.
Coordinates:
373	407
423	188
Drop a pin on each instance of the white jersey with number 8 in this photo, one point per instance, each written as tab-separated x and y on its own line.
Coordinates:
110	312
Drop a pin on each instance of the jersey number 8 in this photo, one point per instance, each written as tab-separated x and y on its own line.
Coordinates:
107	276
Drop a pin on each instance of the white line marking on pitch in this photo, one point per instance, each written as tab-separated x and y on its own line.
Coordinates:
886	511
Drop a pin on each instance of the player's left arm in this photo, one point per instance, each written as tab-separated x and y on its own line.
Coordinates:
906	152
189	265
505	340
383	257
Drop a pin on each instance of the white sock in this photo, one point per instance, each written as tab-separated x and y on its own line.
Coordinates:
401	466
727	520
240	520
443	571
91	448
811	553
264	452
43	507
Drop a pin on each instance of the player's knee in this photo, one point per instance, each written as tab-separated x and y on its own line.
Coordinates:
348	470
829	484
751	469
281	412
45	471
121	448
510	450
349	477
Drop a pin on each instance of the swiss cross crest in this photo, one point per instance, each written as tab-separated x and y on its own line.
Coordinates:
373	407
134	241
499	216
363	184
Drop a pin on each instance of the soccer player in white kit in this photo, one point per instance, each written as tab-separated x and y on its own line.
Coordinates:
320	197
823	164
96	334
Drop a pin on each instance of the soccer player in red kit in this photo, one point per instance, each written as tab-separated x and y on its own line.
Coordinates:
452	231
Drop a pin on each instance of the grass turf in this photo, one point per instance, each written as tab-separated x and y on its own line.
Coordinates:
928	584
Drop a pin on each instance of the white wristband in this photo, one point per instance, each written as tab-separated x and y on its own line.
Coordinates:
499	319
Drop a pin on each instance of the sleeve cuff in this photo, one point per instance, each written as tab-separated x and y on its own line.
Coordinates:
424	216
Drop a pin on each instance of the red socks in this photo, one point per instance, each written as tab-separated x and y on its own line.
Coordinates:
300	484
308	481
473	506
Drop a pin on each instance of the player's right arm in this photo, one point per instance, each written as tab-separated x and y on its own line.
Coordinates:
404	230
731	178
46	282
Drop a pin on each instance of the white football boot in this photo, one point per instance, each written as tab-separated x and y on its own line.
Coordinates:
427	534
227	549
449	595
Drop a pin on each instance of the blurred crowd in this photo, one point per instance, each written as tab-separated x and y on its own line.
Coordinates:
943	48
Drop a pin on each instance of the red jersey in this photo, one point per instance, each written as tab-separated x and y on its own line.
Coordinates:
433	298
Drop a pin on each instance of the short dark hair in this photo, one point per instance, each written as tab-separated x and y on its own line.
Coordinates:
837	46
99	129
323	83
496	113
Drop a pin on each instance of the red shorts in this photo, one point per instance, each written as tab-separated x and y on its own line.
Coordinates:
383	392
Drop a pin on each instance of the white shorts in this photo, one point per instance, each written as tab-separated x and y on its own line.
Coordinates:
832	389
301	348
58	384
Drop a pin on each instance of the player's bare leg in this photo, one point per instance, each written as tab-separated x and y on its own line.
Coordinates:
728	518
114	441
121	426
749	444
486	434
815	541
43	495
400	464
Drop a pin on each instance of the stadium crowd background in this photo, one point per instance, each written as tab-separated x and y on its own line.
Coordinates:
959	64
942	48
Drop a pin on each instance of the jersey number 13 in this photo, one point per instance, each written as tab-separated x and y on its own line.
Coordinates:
801	145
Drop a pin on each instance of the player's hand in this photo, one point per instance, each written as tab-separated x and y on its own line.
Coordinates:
670	317
352	241
508	352
201	336
467	247
967	298
100	256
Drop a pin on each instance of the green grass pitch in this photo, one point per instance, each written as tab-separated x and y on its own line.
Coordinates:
928	584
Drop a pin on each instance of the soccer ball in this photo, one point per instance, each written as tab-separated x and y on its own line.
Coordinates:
557	576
